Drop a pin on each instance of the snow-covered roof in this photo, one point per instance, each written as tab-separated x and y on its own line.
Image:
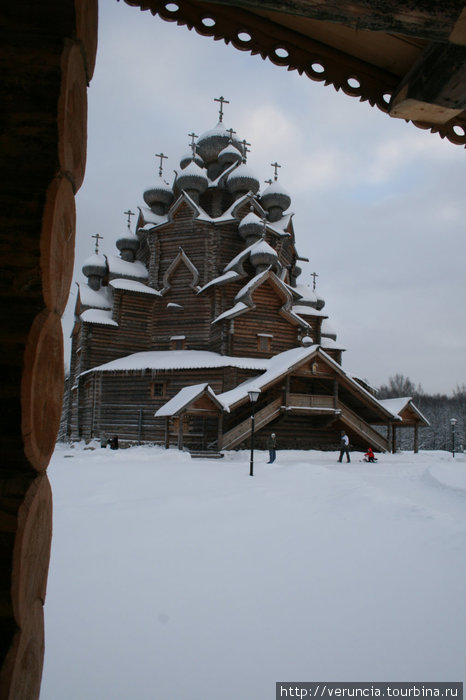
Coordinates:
99	316
307	311
151	219
238	308
280	225
397	405
183	398
223	279
331	344
277	366
118	266
96	299
133	286
178	359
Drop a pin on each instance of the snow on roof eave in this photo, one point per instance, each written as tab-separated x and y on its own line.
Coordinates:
169	360
271	225
398	404
235	397
128	285
239	308
148	224
184	398
199	212
99	317
229	276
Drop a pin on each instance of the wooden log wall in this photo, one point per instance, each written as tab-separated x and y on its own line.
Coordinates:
47	60
265	318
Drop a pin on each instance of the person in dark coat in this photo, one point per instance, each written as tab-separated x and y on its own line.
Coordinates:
344	447
272	448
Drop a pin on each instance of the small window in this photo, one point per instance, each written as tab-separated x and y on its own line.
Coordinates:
157	389
178	342
264	342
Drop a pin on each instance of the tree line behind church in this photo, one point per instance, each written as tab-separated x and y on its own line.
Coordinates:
437	408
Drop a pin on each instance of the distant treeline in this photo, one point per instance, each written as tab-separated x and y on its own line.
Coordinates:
437	408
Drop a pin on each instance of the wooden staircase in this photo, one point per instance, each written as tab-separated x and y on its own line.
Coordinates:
243	430
353	422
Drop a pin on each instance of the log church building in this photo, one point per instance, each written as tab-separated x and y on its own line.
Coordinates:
202	304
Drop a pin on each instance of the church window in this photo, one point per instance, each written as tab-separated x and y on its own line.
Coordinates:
157	389
264	342
178	342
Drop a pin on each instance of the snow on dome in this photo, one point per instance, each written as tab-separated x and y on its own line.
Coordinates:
230	154
192	178
275	196
242	179
210	143
95	264
327	330
128	241
262	254
251	226
307	293
188	157
159	194
123	268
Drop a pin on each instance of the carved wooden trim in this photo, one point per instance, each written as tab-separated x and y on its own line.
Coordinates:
294	51
180	258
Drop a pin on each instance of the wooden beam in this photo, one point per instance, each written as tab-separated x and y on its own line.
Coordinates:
434	21
434	90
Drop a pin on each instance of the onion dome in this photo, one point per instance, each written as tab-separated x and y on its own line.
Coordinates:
263	256
276	200
320	303
128	245
192	179
159	197
188	157
327	330
229	155
242	180
95	269
210	143
251	227
309	297
306	340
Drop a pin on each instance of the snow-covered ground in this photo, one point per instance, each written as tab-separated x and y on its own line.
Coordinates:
188	579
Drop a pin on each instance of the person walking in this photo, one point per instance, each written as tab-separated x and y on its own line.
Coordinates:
272	448
344	447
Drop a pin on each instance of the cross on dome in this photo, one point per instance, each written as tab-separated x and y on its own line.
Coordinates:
97	238
192	145
129	214
231	132
269	181
222	101
245	149
275	166
314	275
161	156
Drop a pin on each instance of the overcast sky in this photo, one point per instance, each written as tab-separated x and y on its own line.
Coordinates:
380	206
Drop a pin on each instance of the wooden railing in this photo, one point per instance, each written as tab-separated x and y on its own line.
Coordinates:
243	430
310	401
353	421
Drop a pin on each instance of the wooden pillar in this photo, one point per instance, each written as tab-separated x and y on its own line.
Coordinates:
43	90
393	439
167	432
180	432
416	439
220	431
389	436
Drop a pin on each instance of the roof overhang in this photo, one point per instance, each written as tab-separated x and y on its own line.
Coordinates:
408	59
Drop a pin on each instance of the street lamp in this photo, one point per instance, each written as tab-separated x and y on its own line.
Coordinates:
253	396
453	423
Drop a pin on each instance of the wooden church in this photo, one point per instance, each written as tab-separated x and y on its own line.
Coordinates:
203	304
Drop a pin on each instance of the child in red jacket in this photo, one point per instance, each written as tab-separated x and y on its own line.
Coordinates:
370	456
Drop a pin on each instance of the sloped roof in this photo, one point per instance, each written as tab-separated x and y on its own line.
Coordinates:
398	406
185	397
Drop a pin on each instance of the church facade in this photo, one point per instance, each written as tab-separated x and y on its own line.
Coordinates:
203	304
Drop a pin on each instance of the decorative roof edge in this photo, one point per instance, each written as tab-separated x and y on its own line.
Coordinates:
317	60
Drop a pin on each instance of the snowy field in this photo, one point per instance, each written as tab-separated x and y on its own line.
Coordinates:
186	579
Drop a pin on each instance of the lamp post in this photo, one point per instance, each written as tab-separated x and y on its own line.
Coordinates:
253	396
453	423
